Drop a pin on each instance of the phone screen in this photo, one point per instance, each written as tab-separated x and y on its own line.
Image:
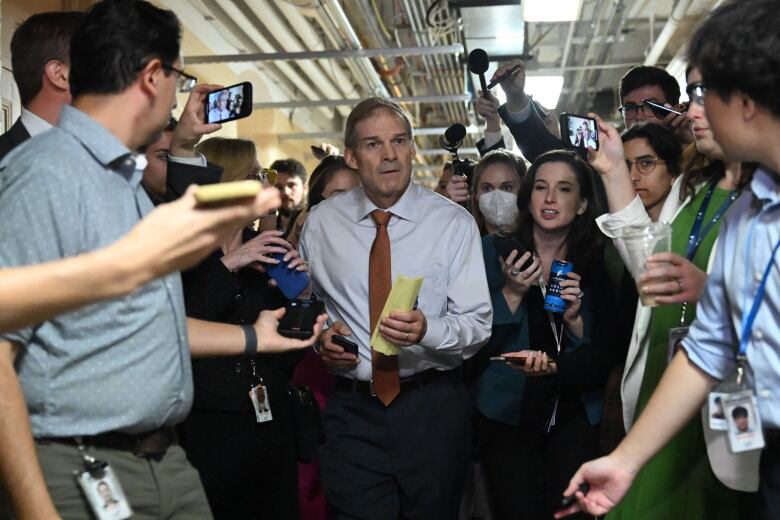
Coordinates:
579	132
229	104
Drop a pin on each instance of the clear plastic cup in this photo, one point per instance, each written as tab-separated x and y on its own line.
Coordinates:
642	242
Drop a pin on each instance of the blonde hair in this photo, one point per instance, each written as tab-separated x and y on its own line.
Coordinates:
237	157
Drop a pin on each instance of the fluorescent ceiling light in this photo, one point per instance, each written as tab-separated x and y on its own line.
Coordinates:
545	89
549	11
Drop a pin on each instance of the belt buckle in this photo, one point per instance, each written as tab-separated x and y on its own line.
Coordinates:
371	388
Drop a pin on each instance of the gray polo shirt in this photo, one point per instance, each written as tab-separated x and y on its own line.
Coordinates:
119	365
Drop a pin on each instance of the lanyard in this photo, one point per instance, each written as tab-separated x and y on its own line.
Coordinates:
747	322
697	233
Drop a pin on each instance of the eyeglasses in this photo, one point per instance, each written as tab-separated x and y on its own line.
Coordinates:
184	82
649	107
696	92
644	165
262	175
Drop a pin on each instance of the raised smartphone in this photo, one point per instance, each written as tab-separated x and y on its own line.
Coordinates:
229	103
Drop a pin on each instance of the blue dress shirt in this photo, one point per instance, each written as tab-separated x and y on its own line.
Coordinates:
118	365
748	234
430	236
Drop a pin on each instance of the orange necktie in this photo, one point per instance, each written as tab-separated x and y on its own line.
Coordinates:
385	381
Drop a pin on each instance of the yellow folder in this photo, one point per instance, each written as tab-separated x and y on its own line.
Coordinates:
402	297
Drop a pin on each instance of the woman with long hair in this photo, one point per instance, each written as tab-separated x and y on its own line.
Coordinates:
248	467
495	184
536	421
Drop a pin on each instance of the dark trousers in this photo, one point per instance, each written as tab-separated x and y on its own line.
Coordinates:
526	469
769	478
249	470
404	461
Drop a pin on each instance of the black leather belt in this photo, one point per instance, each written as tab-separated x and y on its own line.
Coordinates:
416	381
146	445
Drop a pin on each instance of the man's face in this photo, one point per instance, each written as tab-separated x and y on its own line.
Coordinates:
163	104
725	120
636	96
156	172
223	100
105	492
741	423
292	190
382	157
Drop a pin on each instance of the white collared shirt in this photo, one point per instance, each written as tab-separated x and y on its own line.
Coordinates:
430	236
34	124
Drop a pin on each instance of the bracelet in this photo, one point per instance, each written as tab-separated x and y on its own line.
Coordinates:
251	340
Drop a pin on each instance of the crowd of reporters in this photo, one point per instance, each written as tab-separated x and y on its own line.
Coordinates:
109	354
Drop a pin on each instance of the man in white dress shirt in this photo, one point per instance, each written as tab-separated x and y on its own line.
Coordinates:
399	451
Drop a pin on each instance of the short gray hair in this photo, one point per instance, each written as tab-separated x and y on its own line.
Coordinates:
366	109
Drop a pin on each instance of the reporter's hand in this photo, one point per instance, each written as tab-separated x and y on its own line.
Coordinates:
458	189
609	481
404	328
333	355
672	278
487	107
256	251
514	86
516	281
610	157
192	122
178	235
327	149
680	125
537	363
270	341
572	293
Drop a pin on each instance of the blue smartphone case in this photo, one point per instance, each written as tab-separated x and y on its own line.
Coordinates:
290	281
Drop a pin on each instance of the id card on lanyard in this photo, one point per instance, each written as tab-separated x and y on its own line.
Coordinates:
695	238
734	404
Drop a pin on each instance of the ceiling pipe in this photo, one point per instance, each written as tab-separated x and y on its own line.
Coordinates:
304	56
335	13
282	33
312	41
384	67
230	9
667	32
458	98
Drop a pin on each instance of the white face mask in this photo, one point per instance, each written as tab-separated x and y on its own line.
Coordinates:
499	208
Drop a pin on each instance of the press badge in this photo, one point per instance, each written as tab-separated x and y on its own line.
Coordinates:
102	489
744	422
258	394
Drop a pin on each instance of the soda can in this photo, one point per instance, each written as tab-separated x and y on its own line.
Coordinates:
558	273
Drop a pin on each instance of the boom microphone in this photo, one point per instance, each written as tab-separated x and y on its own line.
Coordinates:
478	64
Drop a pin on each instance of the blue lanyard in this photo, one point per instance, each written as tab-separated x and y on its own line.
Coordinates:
697	234
747	322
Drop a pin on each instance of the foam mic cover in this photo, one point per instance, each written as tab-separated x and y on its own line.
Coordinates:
478	64
455	134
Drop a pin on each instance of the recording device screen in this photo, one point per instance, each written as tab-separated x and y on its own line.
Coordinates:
579	131
229	104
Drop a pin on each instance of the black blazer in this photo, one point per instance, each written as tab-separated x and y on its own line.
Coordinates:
213	293
13	138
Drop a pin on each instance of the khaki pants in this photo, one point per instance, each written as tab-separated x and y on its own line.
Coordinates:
168	488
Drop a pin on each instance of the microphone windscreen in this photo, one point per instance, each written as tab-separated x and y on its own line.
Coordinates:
455	134
478	61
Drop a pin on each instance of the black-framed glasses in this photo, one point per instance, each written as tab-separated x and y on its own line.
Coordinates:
649	107
644	165
184	82
696	92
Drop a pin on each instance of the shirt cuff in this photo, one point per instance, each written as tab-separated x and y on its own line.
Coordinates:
434	335
200	160
518	117
492	139
612	224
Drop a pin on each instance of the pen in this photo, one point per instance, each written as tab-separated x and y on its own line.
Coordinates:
566	501
508	74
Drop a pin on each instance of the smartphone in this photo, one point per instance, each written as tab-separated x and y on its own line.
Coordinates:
290	281
579	131
510	360
299	318
229	103
225	191
318	152
347	345
505	246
